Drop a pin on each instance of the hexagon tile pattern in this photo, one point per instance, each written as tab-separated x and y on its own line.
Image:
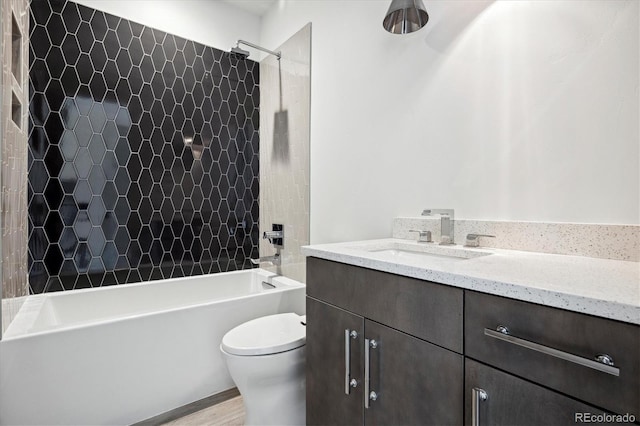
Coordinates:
143	152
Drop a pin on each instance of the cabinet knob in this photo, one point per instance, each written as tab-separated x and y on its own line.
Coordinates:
605	359
502	329
373	396
353	383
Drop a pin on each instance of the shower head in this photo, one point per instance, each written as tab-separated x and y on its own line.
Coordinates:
244	54
239	53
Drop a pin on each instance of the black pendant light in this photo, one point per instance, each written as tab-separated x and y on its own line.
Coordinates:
405	16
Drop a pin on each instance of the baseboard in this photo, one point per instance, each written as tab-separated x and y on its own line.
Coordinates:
193	407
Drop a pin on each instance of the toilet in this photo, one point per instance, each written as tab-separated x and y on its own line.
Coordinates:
266	360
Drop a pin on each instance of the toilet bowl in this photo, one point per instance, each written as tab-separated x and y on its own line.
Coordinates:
266	360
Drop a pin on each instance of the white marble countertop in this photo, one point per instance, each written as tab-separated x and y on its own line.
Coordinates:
600	287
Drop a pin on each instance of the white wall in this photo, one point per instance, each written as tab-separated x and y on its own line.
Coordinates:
213	23
507	110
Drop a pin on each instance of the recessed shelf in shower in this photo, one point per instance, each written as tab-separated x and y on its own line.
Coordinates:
16	110
16	49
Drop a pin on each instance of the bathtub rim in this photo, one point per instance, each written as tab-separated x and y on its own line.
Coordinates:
284	284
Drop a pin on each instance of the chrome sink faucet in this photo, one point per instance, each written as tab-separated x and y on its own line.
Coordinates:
446	224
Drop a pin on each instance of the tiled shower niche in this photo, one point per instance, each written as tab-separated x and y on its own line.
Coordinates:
143	152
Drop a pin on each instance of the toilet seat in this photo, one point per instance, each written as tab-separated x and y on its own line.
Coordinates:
266	335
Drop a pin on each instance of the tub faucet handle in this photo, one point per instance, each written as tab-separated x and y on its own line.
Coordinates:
275	236
271	235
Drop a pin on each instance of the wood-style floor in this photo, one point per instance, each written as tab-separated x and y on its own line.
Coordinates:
229	412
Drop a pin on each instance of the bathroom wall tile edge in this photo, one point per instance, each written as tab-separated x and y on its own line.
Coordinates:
618	242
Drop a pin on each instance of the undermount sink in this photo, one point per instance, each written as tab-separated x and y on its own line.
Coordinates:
411	252
415	255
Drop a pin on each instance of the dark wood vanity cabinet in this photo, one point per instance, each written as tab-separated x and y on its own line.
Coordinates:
363	367
443	355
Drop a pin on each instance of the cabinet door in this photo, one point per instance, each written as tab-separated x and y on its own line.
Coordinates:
328	402
416	382
514	401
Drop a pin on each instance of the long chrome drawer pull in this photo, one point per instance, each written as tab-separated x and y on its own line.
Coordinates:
477	396
369	395
502	333
348	381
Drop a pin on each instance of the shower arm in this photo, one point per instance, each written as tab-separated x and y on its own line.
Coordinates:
255	46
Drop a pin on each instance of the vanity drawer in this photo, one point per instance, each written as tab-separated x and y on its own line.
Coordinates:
423	309
555	348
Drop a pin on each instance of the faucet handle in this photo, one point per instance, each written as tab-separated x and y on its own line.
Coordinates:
423	236
275	236
272	234
473	240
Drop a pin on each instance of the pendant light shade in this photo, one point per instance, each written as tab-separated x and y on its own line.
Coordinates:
405	16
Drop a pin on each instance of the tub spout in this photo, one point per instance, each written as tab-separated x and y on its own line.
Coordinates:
274	260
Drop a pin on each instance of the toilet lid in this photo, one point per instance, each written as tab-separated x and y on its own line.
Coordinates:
266	335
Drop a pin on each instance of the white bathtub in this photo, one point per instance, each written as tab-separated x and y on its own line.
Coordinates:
118	355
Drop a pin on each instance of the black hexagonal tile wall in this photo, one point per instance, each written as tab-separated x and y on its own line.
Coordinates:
143	152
